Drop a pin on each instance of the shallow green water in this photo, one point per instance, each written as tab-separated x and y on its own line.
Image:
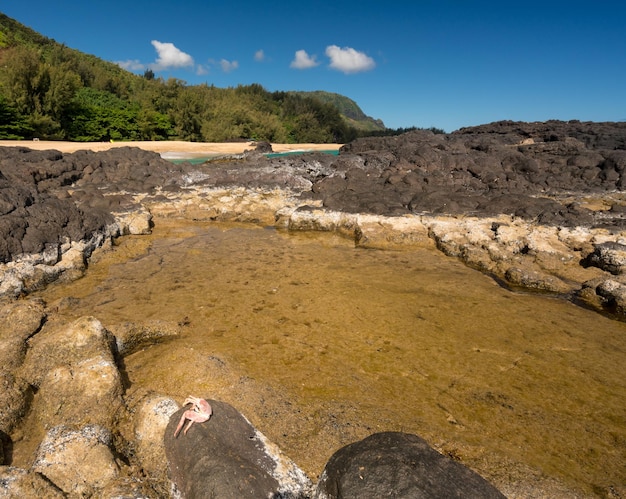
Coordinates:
319	344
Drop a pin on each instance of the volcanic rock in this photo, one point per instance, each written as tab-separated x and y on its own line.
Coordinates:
227	457
398	465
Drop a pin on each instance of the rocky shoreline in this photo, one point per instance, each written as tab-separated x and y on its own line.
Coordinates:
539	206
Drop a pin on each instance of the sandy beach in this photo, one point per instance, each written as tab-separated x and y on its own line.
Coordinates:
169	147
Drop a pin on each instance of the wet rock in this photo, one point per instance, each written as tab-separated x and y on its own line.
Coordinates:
227	457
77	461
532	279
129	488
17	482
609	256
398	465
613	295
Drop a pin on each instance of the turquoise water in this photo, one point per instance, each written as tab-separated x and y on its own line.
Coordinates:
203	159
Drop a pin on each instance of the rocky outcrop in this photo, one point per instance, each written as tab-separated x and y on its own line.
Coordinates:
75	372
65	381
539	206
401	465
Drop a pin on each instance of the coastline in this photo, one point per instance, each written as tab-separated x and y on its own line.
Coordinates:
164	147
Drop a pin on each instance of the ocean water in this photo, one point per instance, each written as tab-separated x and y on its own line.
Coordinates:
197	160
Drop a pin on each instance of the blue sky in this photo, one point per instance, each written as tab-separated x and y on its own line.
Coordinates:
419	63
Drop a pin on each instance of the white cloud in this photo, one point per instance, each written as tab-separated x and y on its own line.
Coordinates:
169	56
202	70
302	60
259	55
131	65
228	66
348	60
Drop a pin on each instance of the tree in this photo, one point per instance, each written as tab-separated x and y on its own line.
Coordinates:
13	126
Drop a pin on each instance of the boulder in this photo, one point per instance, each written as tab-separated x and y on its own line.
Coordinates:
19	320
535	280
609	256
263	147
613	295
227	457
76	374
398	465
77	461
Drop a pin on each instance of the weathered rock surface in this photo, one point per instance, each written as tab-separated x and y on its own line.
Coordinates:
19	321
151	419
79	462
76	374
130	337
227	457
17	482
398	465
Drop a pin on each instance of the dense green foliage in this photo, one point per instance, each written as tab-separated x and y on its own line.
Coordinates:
349	110
50	91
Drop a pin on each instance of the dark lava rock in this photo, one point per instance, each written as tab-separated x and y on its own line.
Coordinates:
263	147
506	167
226	457
398	465
47	197
521	169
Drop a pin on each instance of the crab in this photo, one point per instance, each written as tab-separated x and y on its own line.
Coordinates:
200	412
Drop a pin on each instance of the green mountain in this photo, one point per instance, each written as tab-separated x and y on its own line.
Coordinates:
349	110
51	91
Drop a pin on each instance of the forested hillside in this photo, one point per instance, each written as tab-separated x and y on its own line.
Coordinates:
349	110
50	91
